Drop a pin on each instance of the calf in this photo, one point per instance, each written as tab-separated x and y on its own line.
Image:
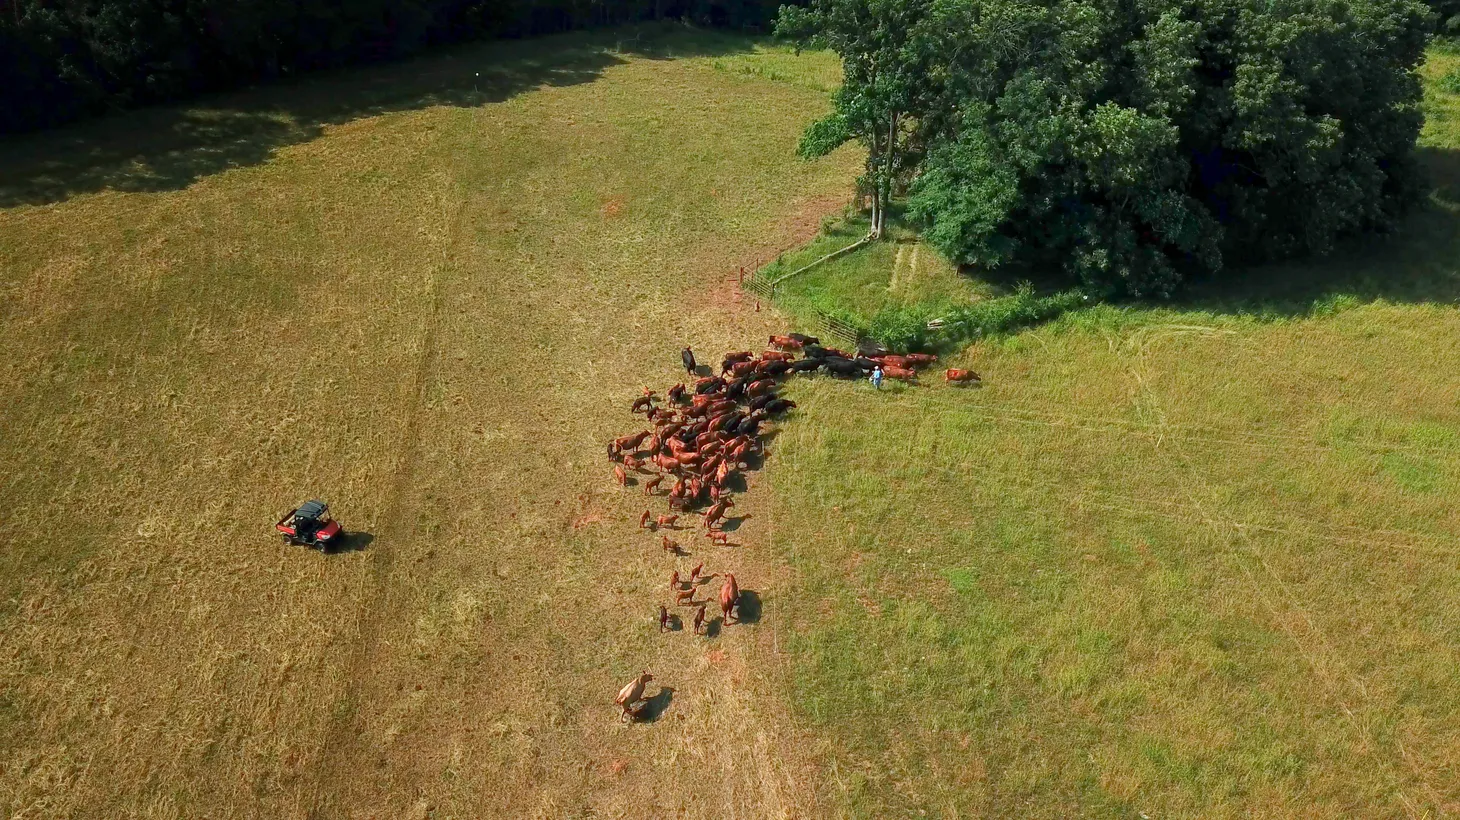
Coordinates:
718	538
955	376
620	476
685	597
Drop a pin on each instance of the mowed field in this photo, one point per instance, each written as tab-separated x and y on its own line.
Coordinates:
427	297
1199	560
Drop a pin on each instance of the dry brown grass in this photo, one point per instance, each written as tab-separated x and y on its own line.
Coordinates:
432	318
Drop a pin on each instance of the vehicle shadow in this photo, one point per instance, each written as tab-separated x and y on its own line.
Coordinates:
169	148
352	542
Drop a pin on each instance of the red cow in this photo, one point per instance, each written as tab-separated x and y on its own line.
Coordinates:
653	484
741	368
620	476
760	388
666	520
955	376
894	361
729	596
776	356
644	520
785	343
920	359
699	618
899	373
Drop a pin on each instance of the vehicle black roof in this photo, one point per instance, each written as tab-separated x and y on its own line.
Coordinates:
311	509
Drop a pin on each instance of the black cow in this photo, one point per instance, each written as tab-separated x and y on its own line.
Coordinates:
814	352
843	368
804	339
805	366
761	401
779	406
712	386
776	369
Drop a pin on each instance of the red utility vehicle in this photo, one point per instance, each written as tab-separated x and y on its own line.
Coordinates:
310	525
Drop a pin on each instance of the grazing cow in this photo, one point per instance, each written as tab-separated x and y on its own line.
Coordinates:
653	484
676	393
761	400
630	443
669	544
632	692
685	597
920	359
775	370
777	356
674	581
785	343
663	618
902	373
714	514
666	462
666	520
804	339
620	476
699	618
631	463
779	406
955	376
718	538
644	520
729	596
640	404
694	574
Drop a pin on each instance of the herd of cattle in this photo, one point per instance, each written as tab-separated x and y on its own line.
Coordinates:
703	434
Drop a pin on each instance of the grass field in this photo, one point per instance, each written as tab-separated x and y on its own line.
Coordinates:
1190	561
426	297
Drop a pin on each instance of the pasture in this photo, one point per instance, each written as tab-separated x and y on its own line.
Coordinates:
1190	560
427	297
1184	560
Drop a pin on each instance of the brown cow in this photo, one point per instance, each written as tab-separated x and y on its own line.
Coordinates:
640	404
776	356
699	618
685	597
955	376
760	388
739	356
694	574
620	476
669	544
729	596
663	618
717	537
920	359
630	442
899	373
741	368
653	484
644	520
785	343
666	520
889	360
674	581
632	463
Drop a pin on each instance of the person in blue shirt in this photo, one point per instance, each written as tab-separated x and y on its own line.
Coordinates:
877	377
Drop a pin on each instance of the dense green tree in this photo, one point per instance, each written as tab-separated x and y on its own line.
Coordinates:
1135	141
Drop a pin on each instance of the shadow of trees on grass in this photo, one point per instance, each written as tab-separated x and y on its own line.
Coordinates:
169	148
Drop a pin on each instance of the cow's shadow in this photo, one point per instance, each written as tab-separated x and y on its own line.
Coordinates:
656	706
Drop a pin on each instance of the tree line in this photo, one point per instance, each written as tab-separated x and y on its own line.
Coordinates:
65	59
1131	143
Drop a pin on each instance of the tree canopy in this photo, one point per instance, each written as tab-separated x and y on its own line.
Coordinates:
62	59
1135	142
